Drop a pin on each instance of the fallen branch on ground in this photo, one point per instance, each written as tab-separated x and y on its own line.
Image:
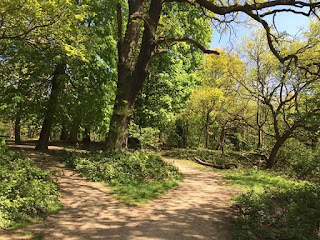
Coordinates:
226	166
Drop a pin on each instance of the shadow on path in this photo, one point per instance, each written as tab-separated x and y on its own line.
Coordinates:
197	209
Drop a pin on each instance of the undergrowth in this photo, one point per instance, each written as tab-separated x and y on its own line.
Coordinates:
26	192
279	213
274	207
134	177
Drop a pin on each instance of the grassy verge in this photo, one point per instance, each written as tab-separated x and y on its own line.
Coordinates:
255	179
134	177
27	193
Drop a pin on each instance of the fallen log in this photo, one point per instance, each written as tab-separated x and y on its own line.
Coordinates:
226	166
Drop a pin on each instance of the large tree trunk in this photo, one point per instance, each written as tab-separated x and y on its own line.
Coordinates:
132	71
273	154
51	110
17	128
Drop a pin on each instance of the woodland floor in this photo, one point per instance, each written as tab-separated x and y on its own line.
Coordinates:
199	208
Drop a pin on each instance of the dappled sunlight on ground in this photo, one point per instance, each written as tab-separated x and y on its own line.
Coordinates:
199	208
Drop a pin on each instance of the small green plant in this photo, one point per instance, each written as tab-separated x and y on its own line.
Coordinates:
135	177
26	192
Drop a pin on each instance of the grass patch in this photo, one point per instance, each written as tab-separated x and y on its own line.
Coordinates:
140	193
196	165
27	193
134	177
256	179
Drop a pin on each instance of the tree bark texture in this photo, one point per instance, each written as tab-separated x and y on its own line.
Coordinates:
56	82
133	68
273	154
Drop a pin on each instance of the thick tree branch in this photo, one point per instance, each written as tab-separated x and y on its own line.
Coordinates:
191	41
222	10
252	11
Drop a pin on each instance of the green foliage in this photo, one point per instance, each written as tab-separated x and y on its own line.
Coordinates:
147	137
122	168
139	193
134	177
3	129
300	161
279	213
210	156
3	147
274	208
255	179
26	191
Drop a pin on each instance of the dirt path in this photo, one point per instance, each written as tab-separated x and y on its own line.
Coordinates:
197	209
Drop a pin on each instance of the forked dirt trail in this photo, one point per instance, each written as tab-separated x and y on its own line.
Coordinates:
199	208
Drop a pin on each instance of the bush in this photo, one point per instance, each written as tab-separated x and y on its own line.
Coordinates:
122	168
135	177
3	147
299	161
279	213
25	190
147	137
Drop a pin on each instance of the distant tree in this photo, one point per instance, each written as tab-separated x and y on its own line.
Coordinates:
287	90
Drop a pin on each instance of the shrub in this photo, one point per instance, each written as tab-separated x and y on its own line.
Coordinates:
25	190
135	177
299	161
279	213
147	137
122	168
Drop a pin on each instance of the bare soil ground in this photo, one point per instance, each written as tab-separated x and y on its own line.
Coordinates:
199	208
